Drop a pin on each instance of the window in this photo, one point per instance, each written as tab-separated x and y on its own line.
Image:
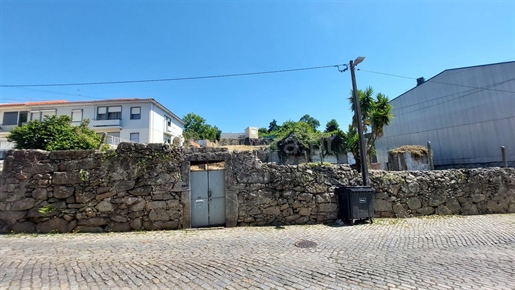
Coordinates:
135	113
102	113
47	113
109	113
168	121
135	137
23	118
114	113
35	116
76	115
10	118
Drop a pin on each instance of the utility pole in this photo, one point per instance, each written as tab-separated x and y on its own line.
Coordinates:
362	148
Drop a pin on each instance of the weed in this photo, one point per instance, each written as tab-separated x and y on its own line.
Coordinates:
49	210
84	175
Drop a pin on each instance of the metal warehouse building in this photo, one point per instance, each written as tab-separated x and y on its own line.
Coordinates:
467	114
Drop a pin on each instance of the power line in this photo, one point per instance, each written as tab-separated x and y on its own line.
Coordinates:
386	74
170	79
61	93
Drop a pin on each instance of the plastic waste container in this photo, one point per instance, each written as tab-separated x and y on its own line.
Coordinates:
356	203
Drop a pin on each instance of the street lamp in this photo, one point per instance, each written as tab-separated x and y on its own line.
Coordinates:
362	148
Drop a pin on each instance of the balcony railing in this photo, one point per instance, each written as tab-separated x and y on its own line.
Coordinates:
173	130
114	141
6	145
106	123
7	128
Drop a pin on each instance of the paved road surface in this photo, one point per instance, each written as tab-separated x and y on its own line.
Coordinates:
474	252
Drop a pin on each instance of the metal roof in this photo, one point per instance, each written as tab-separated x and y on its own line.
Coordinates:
449	70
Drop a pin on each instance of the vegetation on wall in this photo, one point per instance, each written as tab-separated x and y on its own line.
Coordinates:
54	133
416	151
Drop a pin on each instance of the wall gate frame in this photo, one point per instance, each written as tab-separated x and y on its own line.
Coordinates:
231	200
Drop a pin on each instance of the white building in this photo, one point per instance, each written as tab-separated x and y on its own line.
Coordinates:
136	120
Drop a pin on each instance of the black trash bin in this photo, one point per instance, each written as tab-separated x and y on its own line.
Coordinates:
356	203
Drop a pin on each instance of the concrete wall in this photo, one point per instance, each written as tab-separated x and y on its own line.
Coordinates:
404	161
140	187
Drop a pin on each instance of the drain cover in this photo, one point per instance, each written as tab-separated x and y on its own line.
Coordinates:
305	244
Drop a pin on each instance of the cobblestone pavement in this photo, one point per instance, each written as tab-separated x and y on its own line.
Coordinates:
473	252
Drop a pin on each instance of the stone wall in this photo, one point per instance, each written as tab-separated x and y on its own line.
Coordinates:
132	188
286	194
139	187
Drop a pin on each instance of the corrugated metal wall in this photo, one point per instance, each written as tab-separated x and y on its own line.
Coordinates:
467	114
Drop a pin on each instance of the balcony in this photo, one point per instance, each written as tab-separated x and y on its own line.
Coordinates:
107	123
173	131
113	141
7	128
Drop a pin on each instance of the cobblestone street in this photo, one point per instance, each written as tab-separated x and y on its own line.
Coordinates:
472	252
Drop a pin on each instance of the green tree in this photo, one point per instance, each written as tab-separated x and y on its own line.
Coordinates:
273	126
54	133
376	114
335	139
314	123
332	126
196	128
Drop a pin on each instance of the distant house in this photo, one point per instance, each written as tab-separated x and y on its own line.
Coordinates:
131	120
466	113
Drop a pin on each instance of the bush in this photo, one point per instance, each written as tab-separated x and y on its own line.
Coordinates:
54	133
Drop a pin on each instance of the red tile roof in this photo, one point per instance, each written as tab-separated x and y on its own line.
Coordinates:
34	103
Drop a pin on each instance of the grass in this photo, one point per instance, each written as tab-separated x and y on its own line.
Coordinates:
414	150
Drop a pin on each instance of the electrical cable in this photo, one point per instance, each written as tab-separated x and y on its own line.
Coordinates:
169	79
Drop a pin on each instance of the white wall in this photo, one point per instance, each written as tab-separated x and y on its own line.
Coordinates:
137	125
151	126
159	126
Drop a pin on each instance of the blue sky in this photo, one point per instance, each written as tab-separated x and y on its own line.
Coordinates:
48	42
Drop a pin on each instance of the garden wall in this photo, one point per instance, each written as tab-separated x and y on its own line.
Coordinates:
146	187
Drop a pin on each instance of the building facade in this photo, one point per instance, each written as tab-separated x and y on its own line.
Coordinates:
466	113
124	120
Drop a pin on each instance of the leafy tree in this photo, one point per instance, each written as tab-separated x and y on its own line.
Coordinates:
273	126
54	133
331	126
218	133
314	123
196	128
262	131
335	139
376	114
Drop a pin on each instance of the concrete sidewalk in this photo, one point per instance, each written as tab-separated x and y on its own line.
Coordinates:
458	252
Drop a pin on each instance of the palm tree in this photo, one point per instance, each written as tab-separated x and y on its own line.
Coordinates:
376	114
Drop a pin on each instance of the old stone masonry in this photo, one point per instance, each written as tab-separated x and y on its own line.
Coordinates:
148	187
